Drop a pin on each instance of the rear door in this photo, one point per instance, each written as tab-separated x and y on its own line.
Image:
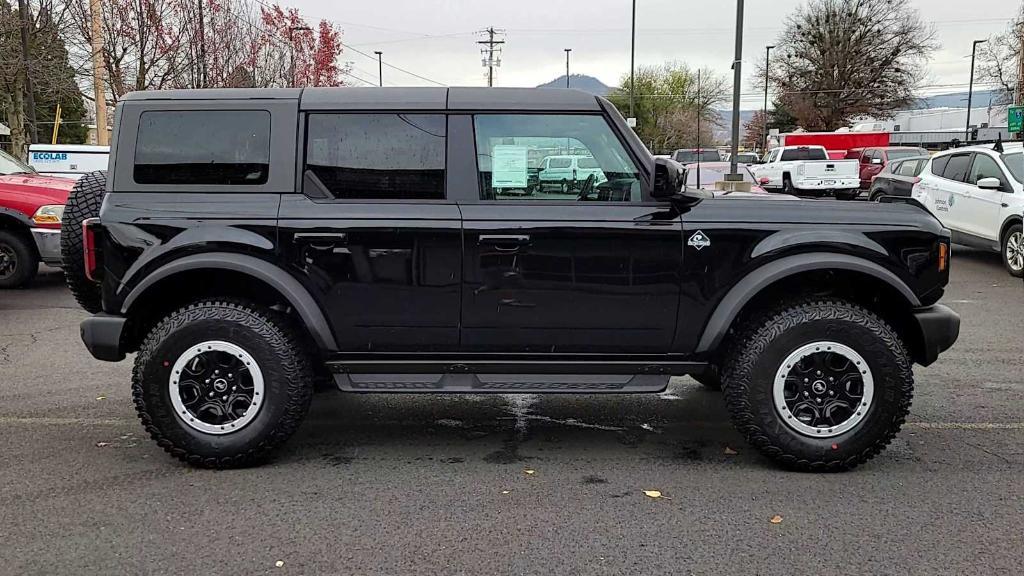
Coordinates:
596	271
373	235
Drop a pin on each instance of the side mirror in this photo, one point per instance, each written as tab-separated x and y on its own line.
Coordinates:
989	184
669	178
876	160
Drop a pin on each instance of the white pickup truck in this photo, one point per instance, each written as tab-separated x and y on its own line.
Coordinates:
807	170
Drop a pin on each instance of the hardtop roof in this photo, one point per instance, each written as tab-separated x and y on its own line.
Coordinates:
435	98
394	98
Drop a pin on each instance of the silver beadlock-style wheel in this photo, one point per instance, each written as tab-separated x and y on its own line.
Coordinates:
1015	251
216	387
823	389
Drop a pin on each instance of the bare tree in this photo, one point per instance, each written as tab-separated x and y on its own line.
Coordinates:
999	59
838	59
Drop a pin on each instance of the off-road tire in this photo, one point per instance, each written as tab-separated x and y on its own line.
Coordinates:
1003	248
26	261
269	337
84	202
765	342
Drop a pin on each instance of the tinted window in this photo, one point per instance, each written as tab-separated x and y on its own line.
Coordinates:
1015	164
956	168
378	156
897	154
804	154
939	165
985	167
229	147
909	168
688	156
559	163
508	144
711	174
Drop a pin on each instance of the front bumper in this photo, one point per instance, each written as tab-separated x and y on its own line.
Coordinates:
828	184
48	244
101	334
939	327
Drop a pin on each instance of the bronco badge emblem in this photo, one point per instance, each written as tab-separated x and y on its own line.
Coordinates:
699	240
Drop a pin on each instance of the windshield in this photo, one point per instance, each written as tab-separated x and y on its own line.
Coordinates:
1015	164
687	156
804	154
10	165
708	176
897	154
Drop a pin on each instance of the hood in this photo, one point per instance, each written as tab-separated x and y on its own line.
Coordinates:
33	187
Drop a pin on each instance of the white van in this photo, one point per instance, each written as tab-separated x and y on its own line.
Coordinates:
67	160
568	172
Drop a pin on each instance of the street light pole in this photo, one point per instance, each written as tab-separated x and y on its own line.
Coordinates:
970	90
380	67
291	38
567	50
632	62
764	114
737	78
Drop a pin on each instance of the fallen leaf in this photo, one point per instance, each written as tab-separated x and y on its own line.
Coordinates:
102	444
279	563
730	451
530	472
101	397
776	519
652	493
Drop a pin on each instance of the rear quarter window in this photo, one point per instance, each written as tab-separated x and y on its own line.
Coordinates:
205	147
939	165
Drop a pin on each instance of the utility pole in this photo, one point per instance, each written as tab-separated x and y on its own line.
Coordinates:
970	90
380	67
737	78
567	51
492	53
698	127
764	114
26	20
291	38
632	63
203	82
99	95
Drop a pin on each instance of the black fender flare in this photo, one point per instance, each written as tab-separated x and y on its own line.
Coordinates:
20	217
748	287
293	291
1009	221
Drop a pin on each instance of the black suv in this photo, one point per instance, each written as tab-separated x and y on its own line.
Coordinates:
250	243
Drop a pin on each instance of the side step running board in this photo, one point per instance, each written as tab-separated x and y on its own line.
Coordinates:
502	383
498	366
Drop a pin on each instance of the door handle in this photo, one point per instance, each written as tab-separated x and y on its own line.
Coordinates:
504	241
321	238
513	303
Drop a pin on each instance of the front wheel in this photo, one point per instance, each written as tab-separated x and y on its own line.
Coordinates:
819	384
18	261
787	185
222	384
1013	251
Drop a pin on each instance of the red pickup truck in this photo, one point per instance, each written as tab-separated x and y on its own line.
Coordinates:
31	207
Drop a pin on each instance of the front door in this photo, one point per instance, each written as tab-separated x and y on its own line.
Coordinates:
592	270
981	211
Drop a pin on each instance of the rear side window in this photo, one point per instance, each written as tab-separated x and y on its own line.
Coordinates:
222	147
377	156
804	154
939	165
957	167
909	168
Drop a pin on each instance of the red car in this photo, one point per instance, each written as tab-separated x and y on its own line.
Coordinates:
31	207
874	160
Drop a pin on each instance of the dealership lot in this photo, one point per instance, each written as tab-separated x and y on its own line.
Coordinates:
509	484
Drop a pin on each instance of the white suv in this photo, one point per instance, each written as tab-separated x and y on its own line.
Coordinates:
978	194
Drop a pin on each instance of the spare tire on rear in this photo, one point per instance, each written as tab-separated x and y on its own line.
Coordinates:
84	202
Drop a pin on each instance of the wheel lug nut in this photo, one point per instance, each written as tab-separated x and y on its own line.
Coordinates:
207	380
224	397
211	394
806	394
233	388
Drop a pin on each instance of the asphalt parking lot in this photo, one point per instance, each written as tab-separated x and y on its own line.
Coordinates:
510	484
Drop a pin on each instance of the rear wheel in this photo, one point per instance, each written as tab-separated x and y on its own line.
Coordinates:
18	261
222	384
818	384
847	194
84	202
876	196
787	185
1013	251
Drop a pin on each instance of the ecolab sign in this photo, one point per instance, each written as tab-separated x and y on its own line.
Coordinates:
49	156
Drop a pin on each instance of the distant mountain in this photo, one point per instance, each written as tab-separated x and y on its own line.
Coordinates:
580	82
958	100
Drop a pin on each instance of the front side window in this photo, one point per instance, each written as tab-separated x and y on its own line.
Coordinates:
377	156
985	167
203	147
553	157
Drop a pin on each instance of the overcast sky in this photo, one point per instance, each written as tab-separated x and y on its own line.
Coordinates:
437	38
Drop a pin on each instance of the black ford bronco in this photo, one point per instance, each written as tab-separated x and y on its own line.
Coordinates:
247	244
